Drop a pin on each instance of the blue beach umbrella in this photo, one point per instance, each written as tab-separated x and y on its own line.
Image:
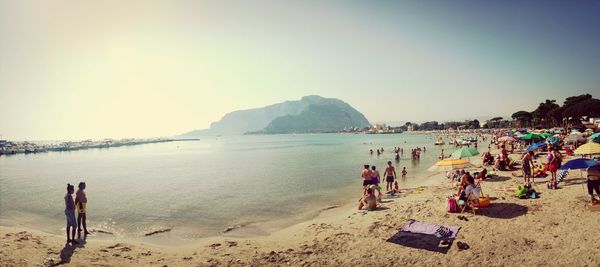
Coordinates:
552	140
579	164
535	146
594	136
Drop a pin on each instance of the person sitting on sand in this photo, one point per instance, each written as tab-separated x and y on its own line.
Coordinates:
464	181
470	188
81	204
368	200
593	183
390	175
482	174
70	213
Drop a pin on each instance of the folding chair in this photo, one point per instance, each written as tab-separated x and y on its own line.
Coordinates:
472	201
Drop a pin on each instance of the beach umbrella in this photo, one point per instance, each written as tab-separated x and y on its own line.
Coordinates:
552	140
588	149
464	152
506	139
532	136
535	146
579	164
594	136
545	135
574	138
451	164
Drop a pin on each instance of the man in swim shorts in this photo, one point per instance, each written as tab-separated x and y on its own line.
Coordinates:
390	176
366	175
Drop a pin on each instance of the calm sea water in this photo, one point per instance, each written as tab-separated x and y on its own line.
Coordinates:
198	188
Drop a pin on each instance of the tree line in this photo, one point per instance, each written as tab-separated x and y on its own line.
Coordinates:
548	114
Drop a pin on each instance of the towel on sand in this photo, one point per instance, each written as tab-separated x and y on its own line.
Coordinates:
428	228
422	236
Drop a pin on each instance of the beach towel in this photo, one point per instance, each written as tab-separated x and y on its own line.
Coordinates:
562	175
426	236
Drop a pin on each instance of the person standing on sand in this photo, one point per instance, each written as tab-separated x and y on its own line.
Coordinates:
593	183
81	204
375	179
366	175
70	213
528	167
552	166
390	176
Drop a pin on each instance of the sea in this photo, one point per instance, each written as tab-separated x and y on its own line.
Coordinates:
197	189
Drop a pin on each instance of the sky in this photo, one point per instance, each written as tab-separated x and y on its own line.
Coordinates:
116	69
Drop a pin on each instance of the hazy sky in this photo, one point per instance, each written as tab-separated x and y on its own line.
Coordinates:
94	69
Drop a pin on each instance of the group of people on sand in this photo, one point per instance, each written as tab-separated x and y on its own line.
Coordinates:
372	190
79	204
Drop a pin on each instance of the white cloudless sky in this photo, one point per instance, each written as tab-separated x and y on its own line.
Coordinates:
82	69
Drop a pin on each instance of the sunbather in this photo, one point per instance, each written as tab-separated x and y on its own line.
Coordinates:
368	200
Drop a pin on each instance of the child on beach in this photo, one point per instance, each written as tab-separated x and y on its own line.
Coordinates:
81	203
70	213
404	172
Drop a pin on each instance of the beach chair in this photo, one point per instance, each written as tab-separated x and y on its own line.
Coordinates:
472	201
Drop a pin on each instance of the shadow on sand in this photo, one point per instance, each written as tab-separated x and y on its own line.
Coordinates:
67	252
575	181
497	179
503	210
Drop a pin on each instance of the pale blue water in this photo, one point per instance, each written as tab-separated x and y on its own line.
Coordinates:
200	187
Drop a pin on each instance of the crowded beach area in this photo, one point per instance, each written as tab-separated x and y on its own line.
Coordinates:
507	195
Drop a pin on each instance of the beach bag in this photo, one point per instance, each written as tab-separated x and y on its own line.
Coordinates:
484	201
452	206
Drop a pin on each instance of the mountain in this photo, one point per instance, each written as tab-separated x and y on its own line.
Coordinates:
323	117
305	111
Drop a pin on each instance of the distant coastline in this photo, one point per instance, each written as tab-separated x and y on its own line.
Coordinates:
25	147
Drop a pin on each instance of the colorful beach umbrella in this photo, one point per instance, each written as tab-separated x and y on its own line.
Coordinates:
464	152
574	138
451	164
532	136
545	135
579	164
553	140
506	139
588	149
594	136
535	146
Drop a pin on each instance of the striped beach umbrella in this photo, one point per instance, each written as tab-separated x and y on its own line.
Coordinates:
588	149
464	152
451	164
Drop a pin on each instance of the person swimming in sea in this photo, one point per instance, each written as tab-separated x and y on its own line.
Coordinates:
404	172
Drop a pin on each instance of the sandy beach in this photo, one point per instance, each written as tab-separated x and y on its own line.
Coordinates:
557	229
